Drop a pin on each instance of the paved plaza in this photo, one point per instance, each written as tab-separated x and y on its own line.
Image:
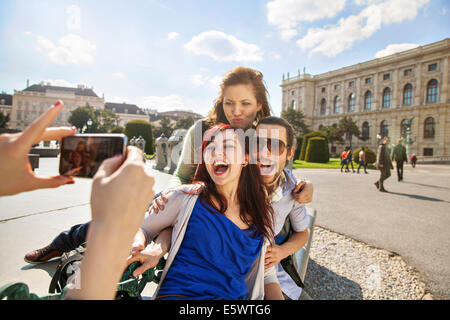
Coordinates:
412	220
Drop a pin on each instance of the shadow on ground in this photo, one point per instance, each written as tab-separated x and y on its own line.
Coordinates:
323	284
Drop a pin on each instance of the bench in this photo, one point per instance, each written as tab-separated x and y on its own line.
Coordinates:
34	161
301	257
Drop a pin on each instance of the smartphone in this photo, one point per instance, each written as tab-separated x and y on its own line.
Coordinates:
82	154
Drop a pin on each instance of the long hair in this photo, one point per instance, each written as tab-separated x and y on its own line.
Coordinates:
240	75
254	204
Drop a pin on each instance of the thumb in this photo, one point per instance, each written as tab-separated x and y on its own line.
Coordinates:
136	248
108	166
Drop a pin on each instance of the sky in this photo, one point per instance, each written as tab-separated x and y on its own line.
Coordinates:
169	55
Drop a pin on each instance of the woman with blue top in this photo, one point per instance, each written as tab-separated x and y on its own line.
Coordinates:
221	224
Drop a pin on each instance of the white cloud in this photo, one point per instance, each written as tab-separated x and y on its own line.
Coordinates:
28	33
287	14
60	83
164	103
118	75
198	80
332	40
70	49
222	47
173	35
394	48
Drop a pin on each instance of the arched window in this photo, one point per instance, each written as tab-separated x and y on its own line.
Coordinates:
387	97
408	95
336	105
365	130
432	91
429	128
368	100
293	104
351	102
384	129
404	126
323	107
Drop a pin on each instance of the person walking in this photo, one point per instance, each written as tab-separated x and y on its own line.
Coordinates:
383	164
399	155
362	159
344	159
413	160
349	160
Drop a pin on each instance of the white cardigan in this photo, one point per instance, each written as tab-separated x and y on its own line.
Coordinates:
176	214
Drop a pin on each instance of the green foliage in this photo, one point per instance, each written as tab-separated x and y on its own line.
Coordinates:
349	128
184	123
296	119
306	137
164	128
317	150
371	157
136	128
4	119
80	116
298	147
118	129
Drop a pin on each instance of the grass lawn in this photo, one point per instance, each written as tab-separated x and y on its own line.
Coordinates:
332	164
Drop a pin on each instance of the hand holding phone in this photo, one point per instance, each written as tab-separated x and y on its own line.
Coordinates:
82	154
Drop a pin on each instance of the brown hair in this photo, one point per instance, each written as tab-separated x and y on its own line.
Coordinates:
283	123
240	75
254	203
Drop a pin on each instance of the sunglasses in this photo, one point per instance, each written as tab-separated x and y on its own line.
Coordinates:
274	146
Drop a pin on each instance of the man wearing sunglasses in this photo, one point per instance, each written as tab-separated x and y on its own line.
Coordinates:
275	137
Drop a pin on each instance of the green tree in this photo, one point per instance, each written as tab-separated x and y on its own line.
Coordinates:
184	123
136	128
80	117
107	119
4	119
297	119
333	134
164	127
349	128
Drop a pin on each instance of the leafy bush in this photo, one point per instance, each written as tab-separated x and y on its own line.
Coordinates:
118	129
298	147
371	157
317	150
305	139
136	128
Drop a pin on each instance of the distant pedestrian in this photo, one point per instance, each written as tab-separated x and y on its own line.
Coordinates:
362	159
344	159
384	164
349	160
399	155
413	160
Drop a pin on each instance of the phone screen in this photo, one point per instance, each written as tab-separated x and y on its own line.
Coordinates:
81	155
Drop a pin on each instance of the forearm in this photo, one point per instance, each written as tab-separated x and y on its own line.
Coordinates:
295	242
272	291
163	241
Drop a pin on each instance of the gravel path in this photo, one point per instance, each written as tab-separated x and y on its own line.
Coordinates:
341	268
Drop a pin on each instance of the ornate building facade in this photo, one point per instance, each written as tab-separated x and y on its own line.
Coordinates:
381	96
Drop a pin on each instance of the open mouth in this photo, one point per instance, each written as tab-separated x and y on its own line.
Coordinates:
266	168
220	167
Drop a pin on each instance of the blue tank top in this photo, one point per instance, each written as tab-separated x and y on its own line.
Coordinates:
213	260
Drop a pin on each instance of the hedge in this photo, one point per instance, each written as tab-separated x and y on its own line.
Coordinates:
298	147
371	157
136	128
317	150
306	137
